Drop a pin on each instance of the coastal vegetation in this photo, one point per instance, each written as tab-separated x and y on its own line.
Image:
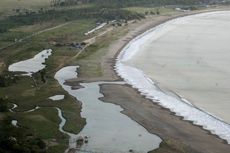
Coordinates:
29	26
29	18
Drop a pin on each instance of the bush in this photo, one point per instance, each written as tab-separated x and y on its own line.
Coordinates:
30	18
18	140
3	105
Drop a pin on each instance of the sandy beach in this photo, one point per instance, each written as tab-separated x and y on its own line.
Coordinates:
162	122
154	118
196	68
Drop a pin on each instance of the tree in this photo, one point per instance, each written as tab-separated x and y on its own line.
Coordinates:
2	81
18	139
158	12
146	12
43	75
3	105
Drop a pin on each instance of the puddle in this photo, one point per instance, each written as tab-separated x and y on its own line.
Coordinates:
95	29
31	65
14	123
57	97
32	110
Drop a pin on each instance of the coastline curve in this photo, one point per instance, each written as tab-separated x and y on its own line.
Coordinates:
148	88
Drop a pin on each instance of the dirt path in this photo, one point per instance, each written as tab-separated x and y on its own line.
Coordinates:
34	34
108	60
92	40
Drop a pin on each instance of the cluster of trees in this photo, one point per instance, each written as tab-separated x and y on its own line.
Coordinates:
152	12
6	79
67	2
125	3
3	105
18	139
102	9
30	18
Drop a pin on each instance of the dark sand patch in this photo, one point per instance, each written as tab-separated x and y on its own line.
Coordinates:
179	135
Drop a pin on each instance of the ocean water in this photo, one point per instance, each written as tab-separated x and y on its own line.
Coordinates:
183	65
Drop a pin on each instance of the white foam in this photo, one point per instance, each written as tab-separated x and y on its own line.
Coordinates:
57	97
32	65
147	87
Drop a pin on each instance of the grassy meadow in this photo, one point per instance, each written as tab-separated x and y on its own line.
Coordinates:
8	7
27	96
44	122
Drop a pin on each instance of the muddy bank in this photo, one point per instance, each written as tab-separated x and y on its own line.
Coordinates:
162	122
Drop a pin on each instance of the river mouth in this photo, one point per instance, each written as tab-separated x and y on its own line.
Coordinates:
182	65
106	129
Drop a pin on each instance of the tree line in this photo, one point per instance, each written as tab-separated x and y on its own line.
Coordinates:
30	18
18	139
125	3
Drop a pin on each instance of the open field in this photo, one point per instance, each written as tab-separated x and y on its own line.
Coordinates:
90	60
27	96
95	64
8	6
143	10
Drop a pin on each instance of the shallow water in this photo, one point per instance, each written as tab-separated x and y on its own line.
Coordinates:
32	65
32	110
107	129
57	97
12	109
188	59
14	123
72	137
95	29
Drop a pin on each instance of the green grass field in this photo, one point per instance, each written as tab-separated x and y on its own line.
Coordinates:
8	6
27	96
143	10
36	121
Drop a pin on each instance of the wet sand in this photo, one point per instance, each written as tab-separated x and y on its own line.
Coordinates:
162	122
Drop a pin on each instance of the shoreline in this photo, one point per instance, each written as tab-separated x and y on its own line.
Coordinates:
151	91
109	61
162	122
